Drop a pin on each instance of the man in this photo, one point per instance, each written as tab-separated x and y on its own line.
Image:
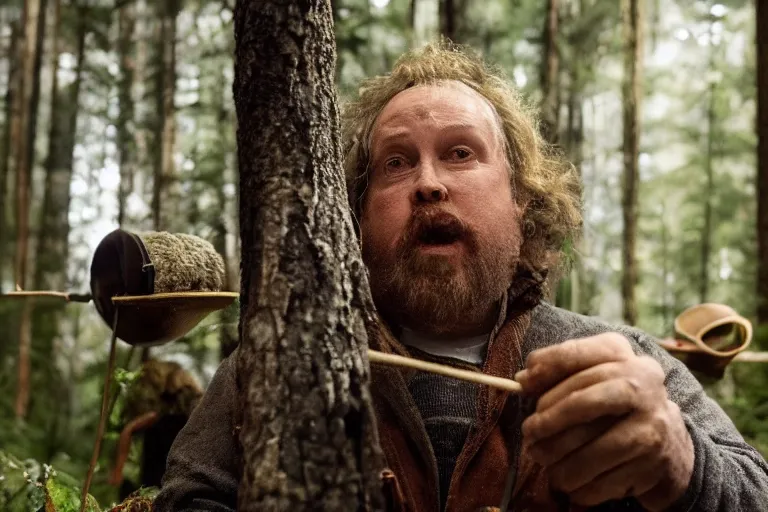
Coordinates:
462	210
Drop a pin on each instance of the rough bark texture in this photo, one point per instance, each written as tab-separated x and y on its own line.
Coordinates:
126	143
632	19
308	429
762	161
22	157
550	72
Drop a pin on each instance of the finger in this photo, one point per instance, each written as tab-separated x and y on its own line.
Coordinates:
631	438
548	366
552	449
632	478
614	397
645	373
579	381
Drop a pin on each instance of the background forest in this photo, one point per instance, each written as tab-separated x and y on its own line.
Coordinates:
120	113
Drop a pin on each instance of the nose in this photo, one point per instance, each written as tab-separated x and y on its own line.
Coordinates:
429	189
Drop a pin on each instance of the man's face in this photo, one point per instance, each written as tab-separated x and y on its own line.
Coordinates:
440	226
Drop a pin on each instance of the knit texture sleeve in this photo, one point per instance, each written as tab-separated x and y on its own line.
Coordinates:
728	474
202	471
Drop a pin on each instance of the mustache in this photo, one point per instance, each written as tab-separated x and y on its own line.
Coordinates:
434	225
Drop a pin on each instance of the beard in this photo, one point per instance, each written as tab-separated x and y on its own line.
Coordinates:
436	293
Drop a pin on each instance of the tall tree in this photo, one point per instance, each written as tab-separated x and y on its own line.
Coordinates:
308	429
449	19
52	259
762	161
632	23
228	339
709	191
11	92
24	122
126	142
164	197
550	74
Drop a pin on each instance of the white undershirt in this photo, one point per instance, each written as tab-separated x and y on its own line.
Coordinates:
472	350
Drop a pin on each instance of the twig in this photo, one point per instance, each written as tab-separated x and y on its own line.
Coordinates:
476	377
751	357
69	297
124	444
103	415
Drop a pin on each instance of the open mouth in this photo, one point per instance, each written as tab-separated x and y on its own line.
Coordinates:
441	235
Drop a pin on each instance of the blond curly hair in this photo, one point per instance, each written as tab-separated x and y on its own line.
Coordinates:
539	174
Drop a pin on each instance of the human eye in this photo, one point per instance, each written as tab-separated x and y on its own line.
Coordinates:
396	164
460	154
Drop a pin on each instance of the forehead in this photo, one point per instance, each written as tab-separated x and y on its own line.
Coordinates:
447	103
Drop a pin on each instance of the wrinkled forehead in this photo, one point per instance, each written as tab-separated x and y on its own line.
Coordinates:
448	102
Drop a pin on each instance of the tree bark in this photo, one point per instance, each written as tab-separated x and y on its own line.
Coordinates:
22	156
550	72
308	428
632	20
762	162
126	142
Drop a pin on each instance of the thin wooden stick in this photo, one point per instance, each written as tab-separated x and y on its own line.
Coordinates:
102	416
480	378
69	297
751	357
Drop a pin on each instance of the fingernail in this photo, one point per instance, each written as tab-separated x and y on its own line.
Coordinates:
521	375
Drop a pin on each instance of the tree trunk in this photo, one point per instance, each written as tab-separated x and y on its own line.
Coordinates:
550	72
308	428
170	204
228	335
709	191
164	198
575	144
7	142
146	118
762	162
126	143
53	248
22	156
448	19
665	270
632	20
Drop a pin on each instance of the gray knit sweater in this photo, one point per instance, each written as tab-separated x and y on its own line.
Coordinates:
729	475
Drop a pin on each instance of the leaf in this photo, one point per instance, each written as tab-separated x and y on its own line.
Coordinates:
60	497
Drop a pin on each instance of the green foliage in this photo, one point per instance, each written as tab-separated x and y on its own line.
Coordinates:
676	88
29	486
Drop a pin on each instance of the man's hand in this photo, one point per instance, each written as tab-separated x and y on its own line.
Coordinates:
603	426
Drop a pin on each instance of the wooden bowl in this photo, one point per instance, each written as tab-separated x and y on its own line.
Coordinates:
148	320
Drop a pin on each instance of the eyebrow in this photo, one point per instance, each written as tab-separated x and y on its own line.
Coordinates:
395	134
